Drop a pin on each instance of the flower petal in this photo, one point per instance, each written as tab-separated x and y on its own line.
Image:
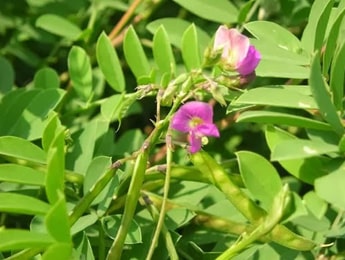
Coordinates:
207	130
239	46
198	109
195	143
180	122
221	41
251	61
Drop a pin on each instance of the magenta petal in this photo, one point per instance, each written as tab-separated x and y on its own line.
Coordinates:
195	118
251	61
180	122
207	130
195	143
197	109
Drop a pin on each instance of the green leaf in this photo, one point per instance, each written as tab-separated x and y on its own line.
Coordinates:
129	142
299	149
332	40
13	105
79	67
270	32
221	11
295	208
19	148
52	128
58	25
111	225
15	239
314	33
337	76
97	168
56	167
21	174
111	107
331	188
190	49
135	55
118	106
22	204
315	204
82	247
272	52
6	76
271	117
245	9
109	63
178	217
175	27
35	114
46	78
58	251
162	51
83	222
322	97
279	69
83	147
276	96
57	221
307	169
259	176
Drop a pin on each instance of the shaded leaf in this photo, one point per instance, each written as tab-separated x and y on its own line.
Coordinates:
111	225
46	78
322	97
6	76
59	25
79	67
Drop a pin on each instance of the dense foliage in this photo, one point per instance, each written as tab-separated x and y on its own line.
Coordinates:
148	129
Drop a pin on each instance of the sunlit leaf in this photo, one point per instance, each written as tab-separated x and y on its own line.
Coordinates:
14	239
109	63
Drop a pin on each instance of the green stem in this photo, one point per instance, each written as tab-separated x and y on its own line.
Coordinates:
166	234
271	220
163	208
130	205
86	201
101	243
137	179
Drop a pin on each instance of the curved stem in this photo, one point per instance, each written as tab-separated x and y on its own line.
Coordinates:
115	251
86	201
163	206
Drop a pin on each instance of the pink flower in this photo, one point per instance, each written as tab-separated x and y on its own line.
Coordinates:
237	53
196	119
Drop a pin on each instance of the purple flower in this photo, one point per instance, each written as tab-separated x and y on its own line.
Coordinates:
196	119
237	53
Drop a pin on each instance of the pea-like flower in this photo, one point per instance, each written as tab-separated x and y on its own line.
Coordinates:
237	53
196	119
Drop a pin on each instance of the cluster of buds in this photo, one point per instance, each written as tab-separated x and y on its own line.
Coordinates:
233	53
